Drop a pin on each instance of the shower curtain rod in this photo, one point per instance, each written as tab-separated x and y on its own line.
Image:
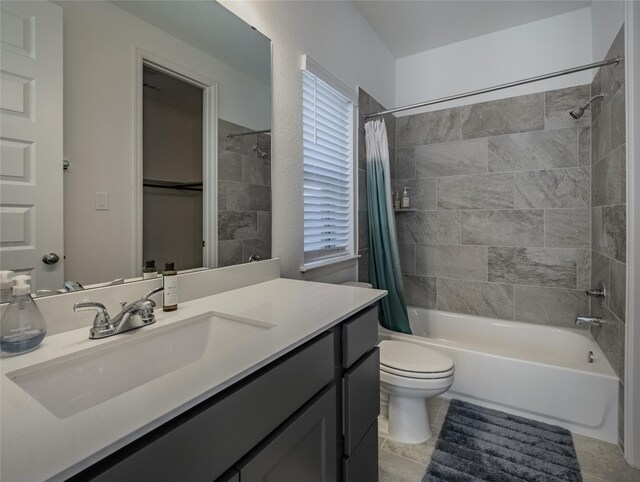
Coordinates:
559	73
238	134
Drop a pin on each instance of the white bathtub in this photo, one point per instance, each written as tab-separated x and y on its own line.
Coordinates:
540	372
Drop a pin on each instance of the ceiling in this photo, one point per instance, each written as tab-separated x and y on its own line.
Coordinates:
409	27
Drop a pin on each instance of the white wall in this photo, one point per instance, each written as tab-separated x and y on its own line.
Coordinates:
516	53
336	36
606	19
99	41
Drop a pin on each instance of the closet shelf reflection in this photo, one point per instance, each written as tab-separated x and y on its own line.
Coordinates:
182	186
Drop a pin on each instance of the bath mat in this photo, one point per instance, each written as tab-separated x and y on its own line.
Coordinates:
481	444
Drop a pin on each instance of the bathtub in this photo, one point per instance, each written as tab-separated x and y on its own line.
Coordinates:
536	371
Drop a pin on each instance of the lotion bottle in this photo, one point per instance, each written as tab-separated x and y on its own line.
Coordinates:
149	271
405	198
170	285
5	286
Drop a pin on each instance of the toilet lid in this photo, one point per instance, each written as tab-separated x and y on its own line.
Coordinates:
411	357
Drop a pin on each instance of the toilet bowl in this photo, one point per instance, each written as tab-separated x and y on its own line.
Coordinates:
409	375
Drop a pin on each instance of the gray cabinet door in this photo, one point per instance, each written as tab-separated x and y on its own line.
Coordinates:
362	466
302	451
361	399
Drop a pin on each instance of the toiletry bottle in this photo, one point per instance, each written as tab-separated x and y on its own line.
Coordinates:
405	198
22	327
149	271
170	284
5	285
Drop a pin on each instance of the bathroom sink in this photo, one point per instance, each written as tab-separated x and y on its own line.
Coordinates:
70	384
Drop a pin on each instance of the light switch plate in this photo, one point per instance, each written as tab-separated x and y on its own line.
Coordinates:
102	201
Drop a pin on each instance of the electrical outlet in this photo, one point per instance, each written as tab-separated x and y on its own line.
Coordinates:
102	201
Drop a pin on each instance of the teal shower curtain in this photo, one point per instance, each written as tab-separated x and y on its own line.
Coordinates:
384	260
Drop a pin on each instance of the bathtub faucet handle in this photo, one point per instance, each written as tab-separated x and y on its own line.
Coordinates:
596	293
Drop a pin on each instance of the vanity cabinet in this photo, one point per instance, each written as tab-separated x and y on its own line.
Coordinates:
308	416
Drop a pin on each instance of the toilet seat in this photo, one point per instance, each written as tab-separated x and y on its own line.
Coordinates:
411	360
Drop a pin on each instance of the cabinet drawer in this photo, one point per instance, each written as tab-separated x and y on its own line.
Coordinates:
303	450
202	444
359	335
362	466
361	399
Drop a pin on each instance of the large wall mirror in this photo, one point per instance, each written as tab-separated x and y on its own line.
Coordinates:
132	131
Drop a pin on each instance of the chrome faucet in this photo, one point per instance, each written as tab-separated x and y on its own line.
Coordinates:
134	315
589	320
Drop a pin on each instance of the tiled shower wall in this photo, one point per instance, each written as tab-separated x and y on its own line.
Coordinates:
608	212
501	192
244	195
367	105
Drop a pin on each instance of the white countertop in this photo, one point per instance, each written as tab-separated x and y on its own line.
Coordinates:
37	445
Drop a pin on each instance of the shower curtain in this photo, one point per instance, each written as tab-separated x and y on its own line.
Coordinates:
384	260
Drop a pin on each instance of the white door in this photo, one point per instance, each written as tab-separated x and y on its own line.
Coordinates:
31	222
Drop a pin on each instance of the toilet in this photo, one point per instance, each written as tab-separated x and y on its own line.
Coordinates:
410	374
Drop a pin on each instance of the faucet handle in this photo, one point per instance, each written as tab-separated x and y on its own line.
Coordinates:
152	292
102	321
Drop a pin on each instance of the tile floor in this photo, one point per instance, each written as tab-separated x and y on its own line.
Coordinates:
600	461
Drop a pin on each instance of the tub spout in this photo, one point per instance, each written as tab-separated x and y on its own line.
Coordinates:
589	320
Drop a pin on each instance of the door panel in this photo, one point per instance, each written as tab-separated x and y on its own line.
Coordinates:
31	141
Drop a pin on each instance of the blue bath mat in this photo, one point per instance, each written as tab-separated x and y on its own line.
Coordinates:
480	444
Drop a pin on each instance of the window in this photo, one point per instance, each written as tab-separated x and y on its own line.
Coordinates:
328	150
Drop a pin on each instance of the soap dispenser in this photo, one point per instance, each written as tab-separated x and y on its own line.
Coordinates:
22	327
405	199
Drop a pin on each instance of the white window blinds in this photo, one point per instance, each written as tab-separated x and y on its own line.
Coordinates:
328	171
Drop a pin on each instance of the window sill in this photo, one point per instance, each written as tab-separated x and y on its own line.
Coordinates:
328	262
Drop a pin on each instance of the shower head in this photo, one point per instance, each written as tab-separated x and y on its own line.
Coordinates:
579	111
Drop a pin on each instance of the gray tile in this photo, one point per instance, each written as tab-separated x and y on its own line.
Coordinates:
428	227
621	413
480	191
550	306
259	247
534	150
451	158
492	300
614	232
599	278
363	266
601	134
407	253
363	230
422	192
504	227
621	351
406	163
229	166
381	441
264	144
390	121
364	107
609	178
393	468
419	291
460	262
596	88
256	170
584	269
229	253
596	229
556	188
362	189
237	225
584	146
613	75
429	127
420	453
222	195
506	116
603	460
533	266
607	335
617	289
248	197
264	224
618	120
559	102
567	228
